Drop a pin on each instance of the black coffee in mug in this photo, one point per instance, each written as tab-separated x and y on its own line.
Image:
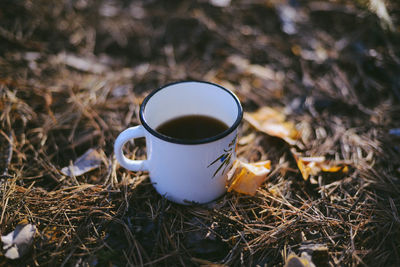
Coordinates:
192	127
181	170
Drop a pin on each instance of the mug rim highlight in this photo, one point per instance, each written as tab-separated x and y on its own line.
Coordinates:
190	142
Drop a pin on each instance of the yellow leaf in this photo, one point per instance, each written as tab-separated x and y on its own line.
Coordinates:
273	122
246	178
309	165
314	165
296	50
304	170
335	168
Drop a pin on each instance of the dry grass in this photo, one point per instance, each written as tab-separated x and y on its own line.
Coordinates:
73	74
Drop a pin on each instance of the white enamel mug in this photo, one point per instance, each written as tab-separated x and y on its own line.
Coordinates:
185	171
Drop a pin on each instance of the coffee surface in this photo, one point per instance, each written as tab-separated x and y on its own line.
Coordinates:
192	127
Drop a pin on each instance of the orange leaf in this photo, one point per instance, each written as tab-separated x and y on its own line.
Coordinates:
304	170
246	178
314	165
273	122
336	168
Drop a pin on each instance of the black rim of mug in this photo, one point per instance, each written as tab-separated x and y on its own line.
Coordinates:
191	142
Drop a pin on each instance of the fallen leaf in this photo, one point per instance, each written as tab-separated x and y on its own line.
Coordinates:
319	253
379	8
289	17
246	139
315	165
18	242
85	163
273	122
52	234
48	102
86	64
295	261
335	168
220	3
244	66
246	178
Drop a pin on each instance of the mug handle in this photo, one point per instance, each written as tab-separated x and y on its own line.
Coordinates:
123	137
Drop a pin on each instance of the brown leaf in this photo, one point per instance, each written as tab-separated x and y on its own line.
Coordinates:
246	178
273	122
48	102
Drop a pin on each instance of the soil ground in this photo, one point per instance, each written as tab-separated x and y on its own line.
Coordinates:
74	72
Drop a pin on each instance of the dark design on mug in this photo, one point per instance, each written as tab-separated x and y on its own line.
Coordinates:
225	158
